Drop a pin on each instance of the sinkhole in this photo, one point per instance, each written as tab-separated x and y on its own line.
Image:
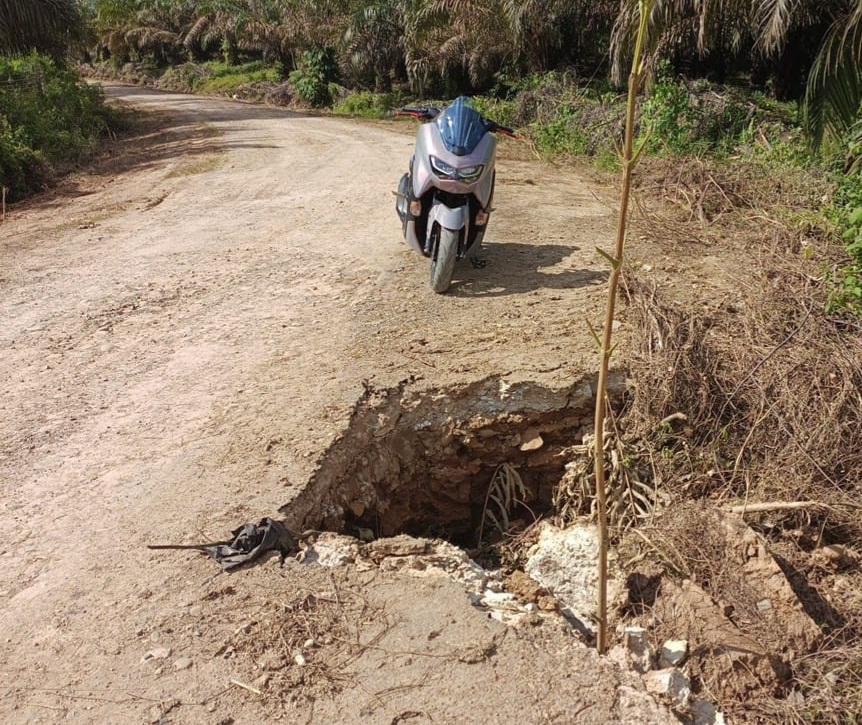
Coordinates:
420	460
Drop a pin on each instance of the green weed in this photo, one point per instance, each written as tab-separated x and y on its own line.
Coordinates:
366	105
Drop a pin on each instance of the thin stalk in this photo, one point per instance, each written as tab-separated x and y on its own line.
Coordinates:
628	160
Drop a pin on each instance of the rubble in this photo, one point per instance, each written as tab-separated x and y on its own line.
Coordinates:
728	659
670	685
704	712
563	562
673	653
637	653
330	549
159	653
776	602
182	663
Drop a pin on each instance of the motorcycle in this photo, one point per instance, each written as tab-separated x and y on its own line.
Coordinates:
444	200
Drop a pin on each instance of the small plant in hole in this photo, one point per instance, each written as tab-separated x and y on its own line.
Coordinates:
506	493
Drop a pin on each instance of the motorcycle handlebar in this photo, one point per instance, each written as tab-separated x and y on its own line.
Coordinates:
423	113
495	127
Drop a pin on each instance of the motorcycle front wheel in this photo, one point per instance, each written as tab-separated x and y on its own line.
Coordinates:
444	258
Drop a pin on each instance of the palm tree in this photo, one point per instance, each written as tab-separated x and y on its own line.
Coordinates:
455	40
372	43
541	30
44	25
765	29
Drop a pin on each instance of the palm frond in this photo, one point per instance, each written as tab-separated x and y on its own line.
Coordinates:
774	21
834	91
46	25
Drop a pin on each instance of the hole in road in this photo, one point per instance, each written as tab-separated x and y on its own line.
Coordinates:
421	462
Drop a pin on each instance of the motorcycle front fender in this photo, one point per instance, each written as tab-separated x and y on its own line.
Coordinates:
455	219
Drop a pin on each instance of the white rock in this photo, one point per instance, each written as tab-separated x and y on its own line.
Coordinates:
638	651
705	713
533	444
183	663
669	684
673	653
563	561
498	599
299	658
332	550
495	585
159	653
507	616
442	560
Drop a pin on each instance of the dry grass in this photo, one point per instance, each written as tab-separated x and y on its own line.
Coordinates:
748	394
311	636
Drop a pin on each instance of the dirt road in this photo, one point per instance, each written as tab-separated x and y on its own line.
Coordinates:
184	330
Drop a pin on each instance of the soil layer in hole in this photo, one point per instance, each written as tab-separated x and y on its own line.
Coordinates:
421	461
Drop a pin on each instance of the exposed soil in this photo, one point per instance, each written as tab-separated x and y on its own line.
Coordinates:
422	463
187	329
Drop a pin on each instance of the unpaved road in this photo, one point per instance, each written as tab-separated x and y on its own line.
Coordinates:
184	330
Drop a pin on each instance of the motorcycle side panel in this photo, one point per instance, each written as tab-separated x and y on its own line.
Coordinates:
410	237
429	142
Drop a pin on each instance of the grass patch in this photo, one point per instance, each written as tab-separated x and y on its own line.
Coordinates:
367	105
224	79
216	77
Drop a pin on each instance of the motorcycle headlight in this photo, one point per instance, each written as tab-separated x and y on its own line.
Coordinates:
442	169
445	171
470	173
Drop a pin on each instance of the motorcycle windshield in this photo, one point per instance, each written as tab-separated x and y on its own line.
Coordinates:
461	127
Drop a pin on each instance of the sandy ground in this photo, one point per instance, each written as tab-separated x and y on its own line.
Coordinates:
184	331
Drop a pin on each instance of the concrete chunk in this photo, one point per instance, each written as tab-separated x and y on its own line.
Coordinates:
670	685
673	653
639	654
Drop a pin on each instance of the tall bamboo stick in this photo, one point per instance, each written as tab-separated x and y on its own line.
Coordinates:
629	158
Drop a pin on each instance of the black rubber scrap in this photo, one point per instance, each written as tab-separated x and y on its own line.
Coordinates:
250	542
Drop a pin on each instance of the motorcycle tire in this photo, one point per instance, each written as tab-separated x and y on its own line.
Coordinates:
443	260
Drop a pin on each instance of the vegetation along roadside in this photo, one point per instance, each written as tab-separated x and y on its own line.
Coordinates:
752	155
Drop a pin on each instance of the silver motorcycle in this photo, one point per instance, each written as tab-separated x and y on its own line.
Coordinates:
444	200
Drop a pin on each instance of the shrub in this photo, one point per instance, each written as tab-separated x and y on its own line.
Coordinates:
366	105
502	111
563	135
311	80
47	117
186	77
669	115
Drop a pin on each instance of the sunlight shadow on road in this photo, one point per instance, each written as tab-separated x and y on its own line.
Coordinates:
516	268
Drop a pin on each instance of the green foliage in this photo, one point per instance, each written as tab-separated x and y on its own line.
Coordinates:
47	117
217	77
224	78
670	117
311	80
367	105
562	136
846	213
187	77
502	111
